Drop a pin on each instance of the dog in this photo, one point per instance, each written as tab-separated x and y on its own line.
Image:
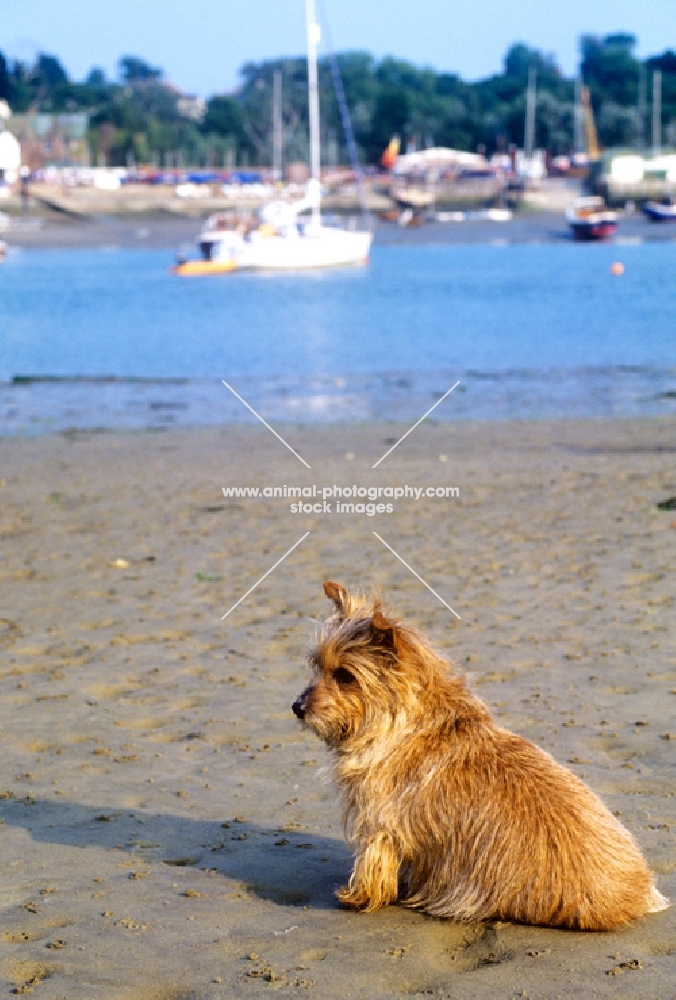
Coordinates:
447	811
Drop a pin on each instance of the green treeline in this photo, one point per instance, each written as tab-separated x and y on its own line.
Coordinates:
141	117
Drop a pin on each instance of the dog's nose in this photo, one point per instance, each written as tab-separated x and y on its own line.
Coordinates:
298	708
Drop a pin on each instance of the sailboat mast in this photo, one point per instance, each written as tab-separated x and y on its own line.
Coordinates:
578	121
313	36
277	134
529	136
657	112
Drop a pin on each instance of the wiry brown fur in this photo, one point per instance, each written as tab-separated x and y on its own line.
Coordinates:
448	811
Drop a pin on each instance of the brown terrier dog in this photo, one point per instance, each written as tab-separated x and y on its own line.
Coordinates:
449	812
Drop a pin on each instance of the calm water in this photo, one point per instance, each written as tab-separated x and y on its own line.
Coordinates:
530	330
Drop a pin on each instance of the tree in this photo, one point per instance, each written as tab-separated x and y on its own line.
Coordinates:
621	40
224	117
554	124
392	116
255	98
666	63
520	58
618	126
609	69
138	113
50	72
135	70
20	91
96	77
5	83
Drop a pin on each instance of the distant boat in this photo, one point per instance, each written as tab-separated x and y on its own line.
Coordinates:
590	219
661	211
281	241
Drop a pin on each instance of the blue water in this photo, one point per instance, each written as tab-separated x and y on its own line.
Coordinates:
530	330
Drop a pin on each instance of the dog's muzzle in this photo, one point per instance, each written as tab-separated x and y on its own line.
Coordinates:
299	706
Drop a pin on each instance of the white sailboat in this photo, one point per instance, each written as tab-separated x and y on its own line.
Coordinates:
282	241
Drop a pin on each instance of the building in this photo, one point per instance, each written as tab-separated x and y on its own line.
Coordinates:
621	176
58	140
10	158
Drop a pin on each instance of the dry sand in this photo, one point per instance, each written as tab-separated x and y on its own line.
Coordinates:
165	833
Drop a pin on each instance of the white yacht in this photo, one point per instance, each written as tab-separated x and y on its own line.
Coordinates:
280	239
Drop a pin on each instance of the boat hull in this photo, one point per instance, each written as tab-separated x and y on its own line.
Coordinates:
588	231
327	248
202	268
589	219
659	213
322	247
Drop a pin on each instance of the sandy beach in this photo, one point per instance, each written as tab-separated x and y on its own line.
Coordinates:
164	831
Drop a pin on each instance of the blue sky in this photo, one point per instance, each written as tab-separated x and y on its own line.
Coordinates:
202	43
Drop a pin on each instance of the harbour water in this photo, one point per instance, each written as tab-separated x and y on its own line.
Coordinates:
108	338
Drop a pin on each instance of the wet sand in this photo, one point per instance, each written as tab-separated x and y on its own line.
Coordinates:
165	832
162	232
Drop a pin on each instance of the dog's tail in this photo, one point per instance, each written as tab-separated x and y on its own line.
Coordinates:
657	901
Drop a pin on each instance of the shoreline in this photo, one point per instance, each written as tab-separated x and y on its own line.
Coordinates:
615	433
159	800
567	435
44	405
351	425
180	234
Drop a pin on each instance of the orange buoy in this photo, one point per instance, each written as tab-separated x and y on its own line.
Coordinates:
617	268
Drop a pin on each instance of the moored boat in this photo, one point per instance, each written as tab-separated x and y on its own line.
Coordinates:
279	240
661	211
590	219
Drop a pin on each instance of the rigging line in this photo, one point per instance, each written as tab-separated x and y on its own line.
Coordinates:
345	118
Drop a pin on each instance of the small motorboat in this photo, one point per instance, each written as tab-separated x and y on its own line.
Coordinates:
590	219
661	211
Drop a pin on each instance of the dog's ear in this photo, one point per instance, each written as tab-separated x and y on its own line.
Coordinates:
383	632
336	593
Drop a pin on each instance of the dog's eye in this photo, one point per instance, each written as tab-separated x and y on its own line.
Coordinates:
342	676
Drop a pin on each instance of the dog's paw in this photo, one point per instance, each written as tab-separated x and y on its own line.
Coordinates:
354	897
357	898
